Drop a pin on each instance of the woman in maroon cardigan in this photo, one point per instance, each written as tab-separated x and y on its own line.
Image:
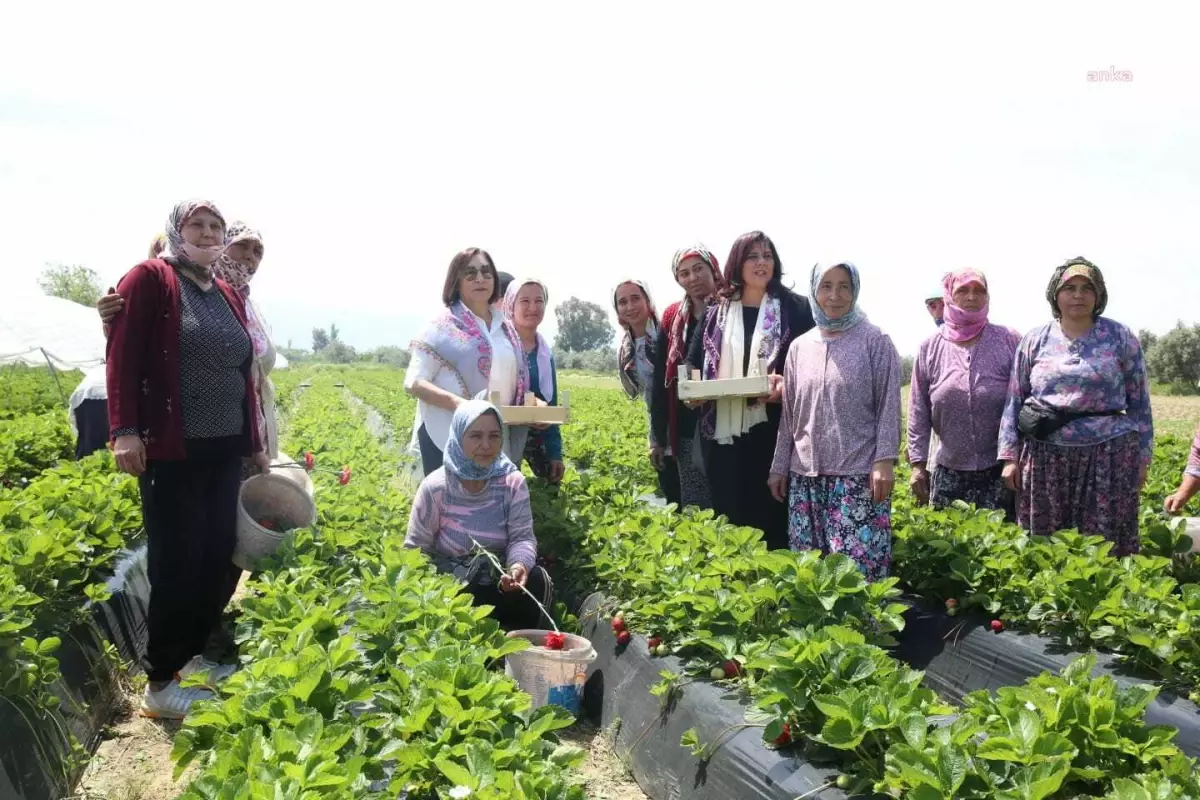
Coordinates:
180	404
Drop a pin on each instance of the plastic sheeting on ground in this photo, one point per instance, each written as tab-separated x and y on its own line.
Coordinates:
34	753
618	687
69	335
960	655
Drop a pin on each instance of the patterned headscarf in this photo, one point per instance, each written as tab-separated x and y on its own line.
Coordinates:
545	371
233	272
1076	267
960	325
626	353
456	460
177	247
675	334
851	317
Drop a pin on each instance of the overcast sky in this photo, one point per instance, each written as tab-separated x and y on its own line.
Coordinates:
370	144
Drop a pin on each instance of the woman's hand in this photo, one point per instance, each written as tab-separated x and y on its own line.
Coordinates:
130	454
1175	502
540	426
919	483
263	462
778	484
883	478
775	382
1012	476
110	305
514	580
557	470
657	457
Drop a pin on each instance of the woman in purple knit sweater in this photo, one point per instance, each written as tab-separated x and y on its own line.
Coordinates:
479	499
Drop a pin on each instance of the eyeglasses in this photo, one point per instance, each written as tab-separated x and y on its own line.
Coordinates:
471	273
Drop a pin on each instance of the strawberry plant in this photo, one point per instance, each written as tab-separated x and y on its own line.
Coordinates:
32	443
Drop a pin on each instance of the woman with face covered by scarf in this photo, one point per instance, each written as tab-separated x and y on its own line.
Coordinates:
183	412
1077	433
478	498
679	456
839	438
958	391
747	332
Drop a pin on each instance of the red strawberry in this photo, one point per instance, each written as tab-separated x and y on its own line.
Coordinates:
344	476
785	737
653	642
554	641
309	461
267	523
624	637
951	603
732	668
997	626
618	623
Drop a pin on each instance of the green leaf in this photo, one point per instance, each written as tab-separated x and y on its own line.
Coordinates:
455	773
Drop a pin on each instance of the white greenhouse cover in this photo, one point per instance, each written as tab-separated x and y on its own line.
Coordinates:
281	361
35	328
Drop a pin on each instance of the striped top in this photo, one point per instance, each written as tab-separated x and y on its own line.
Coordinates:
445	517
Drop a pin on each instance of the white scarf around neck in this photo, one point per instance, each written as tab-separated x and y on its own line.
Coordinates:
734	416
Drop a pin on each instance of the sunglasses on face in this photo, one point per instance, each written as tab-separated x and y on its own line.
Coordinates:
472	273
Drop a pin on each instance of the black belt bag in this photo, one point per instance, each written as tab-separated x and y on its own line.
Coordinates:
1040	421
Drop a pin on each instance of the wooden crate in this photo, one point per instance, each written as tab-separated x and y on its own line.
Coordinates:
532	414
717	389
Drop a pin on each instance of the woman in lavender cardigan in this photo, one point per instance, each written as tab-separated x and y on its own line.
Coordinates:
840	433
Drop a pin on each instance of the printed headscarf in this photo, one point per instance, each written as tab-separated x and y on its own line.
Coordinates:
235	273
960	325
676	338
545	370
455	458
238	275
177	247
1078	266
851	317
627	352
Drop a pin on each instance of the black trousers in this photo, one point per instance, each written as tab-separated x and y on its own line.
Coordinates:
189	510
737	476
431	454
91	421
515	611
668	481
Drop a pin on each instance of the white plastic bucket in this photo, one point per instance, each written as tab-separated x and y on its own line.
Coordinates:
271	496
293	474
551	677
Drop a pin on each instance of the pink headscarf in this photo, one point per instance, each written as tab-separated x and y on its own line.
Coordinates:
961	325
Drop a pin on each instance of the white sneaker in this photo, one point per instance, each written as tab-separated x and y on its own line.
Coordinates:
172	701
213	673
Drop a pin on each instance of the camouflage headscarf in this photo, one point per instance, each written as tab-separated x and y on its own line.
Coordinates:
1077	267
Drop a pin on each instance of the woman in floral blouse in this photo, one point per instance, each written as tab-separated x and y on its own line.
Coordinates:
1077	433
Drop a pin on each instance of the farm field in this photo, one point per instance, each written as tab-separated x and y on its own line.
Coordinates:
368	675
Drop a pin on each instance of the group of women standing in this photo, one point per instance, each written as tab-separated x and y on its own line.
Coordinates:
1053	428
191	412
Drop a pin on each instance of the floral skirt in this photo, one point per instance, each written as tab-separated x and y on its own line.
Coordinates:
837	514
1093	489
982	488
693	483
